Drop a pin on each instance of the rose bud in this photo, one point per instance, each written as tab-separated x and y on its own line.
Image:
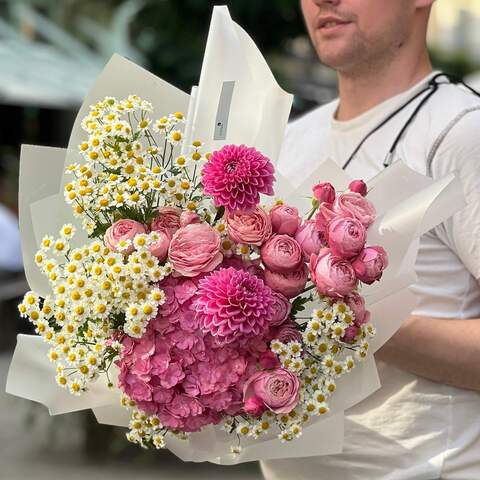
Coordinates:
350	333
358	186
346	237
254	406
268	360
370	264
324	192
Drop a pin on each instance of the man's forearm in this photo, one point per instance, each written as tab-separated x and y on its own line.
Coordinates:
442	350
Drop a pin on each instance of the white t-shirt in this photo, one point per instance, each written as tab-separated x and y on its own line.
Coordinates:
412	428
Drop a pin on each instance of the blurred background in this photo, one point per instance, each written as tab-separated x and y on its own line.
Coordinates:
51	51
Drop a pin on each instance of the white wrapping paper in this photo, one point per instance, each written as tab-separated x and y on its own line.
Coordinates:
238	91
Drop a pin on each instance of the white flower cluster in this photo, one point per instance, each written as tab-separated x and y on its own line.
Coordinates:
130	164
96	292
144	430
319	359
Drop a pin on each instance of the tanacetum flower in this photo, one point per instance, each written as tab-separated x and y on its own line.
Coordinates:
234	304
236	175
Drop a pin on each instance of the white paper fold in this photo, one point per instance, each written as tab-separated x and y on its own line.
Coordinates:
238	99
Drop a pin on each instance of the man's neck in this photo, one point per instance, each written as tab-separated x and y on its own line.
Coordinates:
361	91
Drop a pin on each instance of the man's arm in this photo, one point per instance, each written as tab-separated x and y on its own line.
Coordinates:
441	350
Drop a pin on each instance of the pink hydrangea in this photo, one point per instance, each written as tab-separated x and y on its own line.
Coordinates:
234	305
181	374
236	175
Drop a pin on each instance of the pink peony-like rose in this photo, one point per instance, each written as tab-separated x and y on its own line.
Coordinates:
281	309
282	254
350	333
187	217
357	304
332	275
195	249
250	228
309	238
289	284
236	175
346	237
358	186
370	264
123	230
287	333
160	249
278	389
324	192
234	305
285	219
323	218
167	217
352	204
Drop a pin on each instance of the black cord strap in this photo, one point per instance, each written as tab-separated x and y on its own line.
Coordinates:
431	87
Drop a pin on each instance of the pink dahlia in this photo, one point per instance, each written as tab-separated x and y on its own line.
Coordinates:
236	175
234	305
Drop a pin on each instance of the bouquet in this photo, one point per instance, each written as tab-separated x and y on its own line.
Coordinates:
195	291
187	297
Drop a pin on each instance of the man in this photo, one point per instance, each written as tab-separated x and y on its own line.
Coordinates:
424	423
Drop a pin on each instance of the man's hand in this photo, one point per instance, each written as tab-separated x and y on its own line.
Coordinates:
441	350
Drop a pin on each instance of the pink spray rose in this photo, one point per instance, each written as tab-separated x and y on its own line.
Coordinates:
282	254
357	304
370	264
251	228
195	249
358	186
187	217
323	218
278	389
324	192
288	333
285	219
123	230
352	204
332	275
346	237
254	406
309	238
169	218
160	249
350	333
268	360
281	309
289	284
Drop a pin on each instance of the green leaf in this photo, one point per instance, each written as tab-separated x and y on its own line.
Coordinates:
298	305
